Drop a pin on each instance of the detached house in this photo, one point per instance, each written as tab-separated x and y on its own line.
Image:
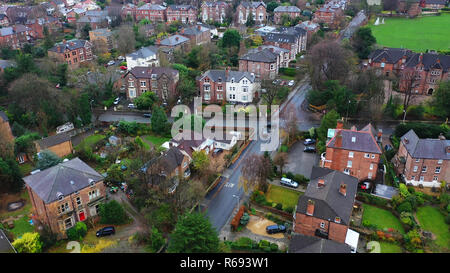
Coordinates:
160	80
217	86
146	56
423	162
154	13
65	194
324	210
72	52
186	14
214	11
257	9
198	34
60	144
356	153
389	60
291	11
174	42
101	38
265	61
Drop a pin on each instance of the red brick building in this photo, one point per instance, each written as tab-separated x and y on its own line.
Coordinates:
72	52
15	36
291	11
329	16
214	11
160	80
154	13
197	34
257	9
263	61
423	162
356	153
325	208
389	60
65	194
186	14
37	25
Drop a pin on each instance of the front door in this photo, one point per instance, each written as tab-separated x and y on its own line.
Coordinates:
81	216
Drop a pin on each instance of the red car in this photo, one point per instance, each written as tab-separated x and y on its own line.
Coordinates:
123	67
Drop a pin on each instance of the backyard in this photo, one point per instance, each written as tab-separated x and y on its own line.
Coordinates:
382	219
432	220
417	34
287	197
386	247
156	140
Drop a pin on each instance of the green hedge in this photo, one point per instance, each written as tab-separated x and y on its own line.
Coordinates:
371	199
245	243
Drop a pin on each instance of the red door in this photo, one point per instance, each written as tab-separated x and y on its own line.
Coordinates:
81	216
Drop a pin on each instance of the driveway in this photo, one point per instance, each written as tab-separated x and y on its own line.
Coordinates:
300	162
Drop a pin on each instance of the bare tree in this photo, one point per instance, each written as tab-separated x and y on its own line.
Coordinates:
126	39
271	92
255	173
408	82
290	122
280	160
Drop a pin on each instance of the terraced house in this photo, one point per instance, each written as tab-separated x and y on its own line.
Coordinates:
291	11
292	38
423	162
15	36
257	9
65	194
186	14
72	52
214	11
264	61
154	13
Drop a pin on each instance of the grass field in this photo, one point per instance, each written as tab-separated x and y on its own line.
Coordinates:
156	140
22	226
382	218
432	220
416	34
287	197
390	248
91	140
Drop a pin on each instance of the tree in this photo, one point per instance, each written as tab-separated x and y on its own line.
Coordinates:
77	232
85	31
48	40
156	239
126	39
231	38
29	243
194	234
250	20
271	6
440	100
146	100
280	160
255	173
290	122
371	86
329	120
363	41
10	175
47	159
112	213
159	121
343	100
408	82
200	161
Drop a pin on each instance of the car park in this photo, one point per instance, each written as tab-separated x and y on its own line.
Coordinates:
309	149
288	182
309	141
106	231
275	229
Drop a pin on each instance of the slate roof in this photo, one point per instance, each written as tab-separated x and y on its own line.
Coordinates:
168	161
3	116
280	37
142	72
430	60
214	75
435	2
5	244
214	4
172	40
71	45
264	55
253	4
307	244
50	183
152	7
53	140
195	30
425	148
391	55
364	141
181	7
286	9
143	53
329	202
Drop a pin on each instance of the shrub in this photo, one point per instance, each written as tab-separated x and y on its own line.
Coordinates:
279	206
30	242
112	213
447	219
301	179
273	247
289	209
404	207
371	199
77	232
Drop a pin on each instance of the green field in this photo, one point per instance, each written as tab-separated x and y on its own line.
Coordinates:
432	220
390	248
382	218
419	34
287	197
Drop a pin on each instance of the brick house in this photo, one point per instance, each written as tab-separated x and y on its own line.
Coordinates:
258	9
101	38
186	14
328	15
264	61
15	36
4	21
310	28
73	52
423	162
356	153
324	210
160	80
435	4
37	25
291	11
217	86
198	34
128	10
60	144
308	244
214	11
154	13
389	60
175	42
293	39
65	194
411	8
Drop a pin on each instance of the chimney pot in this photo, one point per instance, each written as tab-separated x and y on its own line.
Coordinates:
441	136
353	128
343	189
340	124
321	183
310	207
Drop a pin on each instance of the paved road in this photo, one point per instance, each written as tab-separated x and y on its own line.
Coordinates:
220	202
353	25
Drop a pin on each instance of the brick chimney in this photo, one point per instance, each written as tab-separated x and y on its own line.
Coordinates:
158	41
182	31
338	142
343	189
177	38
380	134
199	27
340	124
353	128
227	71
321	183
310	207
420	58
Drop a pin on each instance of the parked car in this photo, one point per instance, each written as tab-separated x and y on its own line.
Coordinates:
111	63
106	231
121	58
309	141
291	83
365	185
217	151
277	81
117	100
309	149
65	128
123	67
275	229
113	189
288	182
147	115
131	106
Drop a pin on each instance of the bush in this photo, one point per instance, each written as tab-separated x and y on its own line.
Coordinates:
404	207
301	179
371	199
279	206
112	213
273	247
447	219
289	209
77	232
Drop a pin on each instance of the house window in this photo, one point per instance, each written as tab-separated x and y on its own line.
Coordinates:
68	223
350	154
131	84
371	167
185	164
93	194
415	168
78	201
369	175
413	177
219	96
143	83
421	178
438	170
367	155
349	164
63	208
372	156
322	224
435	178
439	161
424	169
417	160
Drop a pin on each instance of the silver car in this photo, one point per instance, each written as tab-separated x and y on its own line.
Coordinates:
288	182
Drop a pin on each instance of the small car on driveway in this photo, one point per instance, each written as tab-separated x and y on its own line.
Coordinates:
106	231
309	149
309	141
275	229
288	182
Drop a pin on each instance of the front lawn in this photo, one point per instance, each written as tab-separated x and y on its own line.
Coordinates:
381	218
390	248
287	197
156	140
431	219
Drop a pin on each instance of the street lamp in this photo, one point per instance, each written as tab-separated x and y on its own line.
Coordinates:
404	115
237	196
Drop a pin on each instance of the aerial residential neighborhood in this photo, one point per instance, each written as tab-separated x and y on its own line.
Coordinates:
232	127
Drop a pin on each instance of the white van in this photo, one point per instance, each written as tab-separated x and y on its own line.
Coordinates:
65	128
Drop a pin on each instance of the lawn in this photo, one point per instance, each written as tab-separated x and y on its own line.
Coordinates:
21	226
156	140
432	220
25	210
26	168
278	194
91	140
390	248
383	219
417	34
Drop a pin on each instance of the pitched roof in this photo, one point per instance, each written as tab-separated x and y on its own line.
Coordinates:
425	148
169	160
286	9
215	75
71	45
147	72
307	244
252	4
3	116
143	53
5	244
280	37
390	55
195	30
149	6
174	40
429	61
181	7
53	140
362	141
64	178
329	202
264	55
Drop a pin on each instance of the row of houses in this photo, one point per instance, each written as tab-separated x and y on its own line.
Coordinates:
187	14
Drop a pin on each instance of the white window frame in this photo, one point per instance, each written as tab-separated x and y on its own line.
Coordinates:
349	164
350	154
424	169
322	224
415	168
366	155
438	169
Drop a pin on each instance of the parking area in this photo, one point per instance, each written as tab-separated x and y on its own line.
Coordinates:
300	162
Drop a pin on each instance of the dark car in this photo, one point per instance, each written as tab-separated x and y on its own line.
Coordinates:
309	141
309	149
275	229
106	231
147	115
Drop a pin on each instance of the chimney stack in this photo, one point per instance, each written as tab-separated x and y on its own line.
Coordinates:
321	183
340	124
227	71
380	134
310	208
353	128
338	142
343	189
